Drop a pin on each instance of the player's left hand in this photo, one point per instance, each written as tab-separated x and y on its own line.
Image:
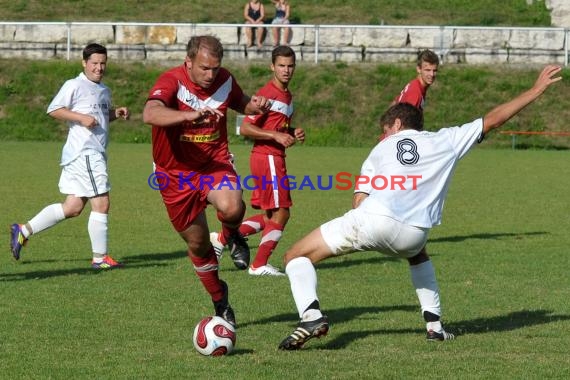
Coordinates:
210	114
122	113
261	103
546	77
299	134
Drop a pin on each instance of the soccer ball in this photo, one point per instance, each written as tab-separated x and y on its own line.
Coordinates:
214	336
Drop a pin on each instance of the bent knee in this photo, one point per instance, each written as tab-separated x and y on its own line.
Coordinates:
231	212
288	256
199	248
72	212
421	257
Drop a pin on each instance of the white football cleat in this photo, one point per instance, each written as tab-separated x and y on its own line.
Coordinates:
218	246
265	270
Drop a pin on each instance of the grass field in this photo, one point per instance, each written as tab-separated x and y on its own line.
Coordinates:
500	256
332	101
395	12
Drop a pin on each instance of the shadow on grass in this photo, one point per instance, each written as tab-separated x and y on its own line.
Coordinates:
342	315
344	340
372	258
146	257
485	236
379	258
130	262
508	322
511	321
242	351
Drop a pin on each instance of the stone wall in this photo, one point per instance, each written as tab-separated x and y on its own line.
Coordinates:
347	43
559	12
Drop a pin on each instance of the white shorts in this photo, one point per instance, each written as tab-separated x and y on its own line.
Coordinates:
360	230
86	176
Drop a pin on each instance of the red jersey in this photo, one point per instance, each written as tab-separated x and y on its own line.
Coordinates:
414	93
192	145
277	119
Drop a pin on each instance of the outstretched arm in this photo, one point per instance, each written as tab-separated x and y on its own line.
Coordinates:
502	113
254	105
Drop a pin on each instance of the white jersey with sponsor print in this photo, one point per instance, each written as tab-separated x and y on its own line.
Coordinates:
408	174
84	96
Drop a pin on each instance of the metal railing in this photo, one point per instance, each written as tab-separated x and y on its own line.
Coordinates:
439	47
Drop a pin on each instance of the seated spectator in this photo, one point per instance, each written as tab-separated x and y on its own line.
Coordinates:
282	12
254	13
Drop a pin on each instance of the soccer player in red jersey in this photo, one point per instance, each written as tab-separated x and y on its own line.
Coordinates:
272	134
187	108
415	91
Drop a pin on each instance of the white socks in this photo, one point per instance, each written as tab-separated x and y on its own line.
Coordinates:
434	326
48	217
311	315
303	279
423	278
53	214
97	228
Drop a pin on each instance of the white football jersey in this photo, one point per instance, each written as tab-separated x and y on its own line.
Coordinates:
408	174
84	96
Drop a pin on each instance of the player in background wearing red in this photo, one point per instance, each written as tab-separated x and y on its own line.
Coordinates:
415	91
187	108
272	134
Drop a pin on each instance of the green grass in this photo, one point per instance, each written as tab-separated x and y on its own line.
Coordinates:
416	12
499	256
337	104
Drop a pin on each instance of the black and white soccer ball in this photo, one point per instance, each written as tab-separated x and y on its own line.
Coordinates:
214	336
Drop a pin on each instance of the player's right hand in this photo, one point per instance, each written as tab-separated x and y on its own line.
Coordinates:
88	121
208	113
284	139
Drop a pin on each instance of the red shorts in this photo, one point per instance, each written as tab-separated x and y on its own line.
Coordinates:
271	189
185	192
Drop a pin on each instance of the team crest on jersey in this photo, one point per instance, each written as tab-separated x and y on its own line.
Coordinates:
407	152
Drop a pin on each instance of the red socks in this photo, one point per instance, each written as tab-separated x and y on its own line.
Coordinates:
269	239
252	225
207	270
